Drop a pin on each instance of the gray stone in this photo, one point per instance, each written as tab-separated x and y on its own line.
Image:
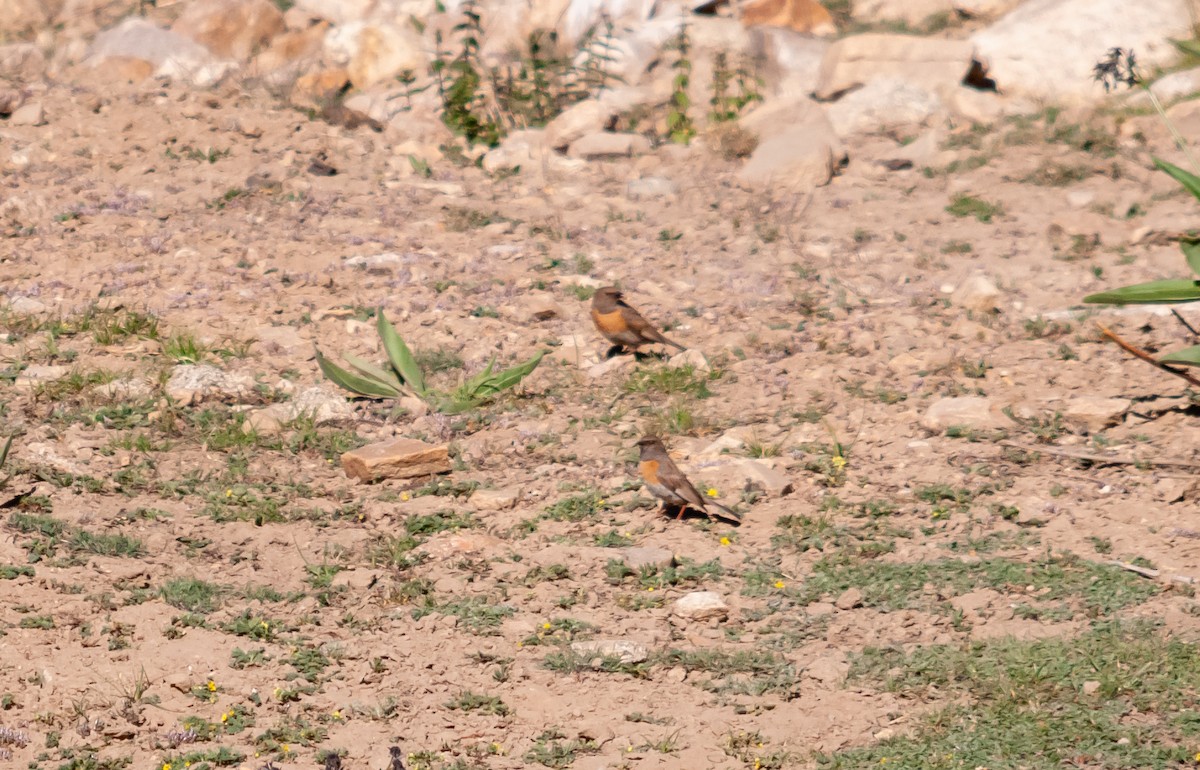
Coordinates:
883	103
38	374
494	499
22	62
799	159
642	557
323	406
852	597
1092	414
931	63
965	411
651	187
605	145
168	53
26	305
379	264
759	474
191	383
828	670
911	12
520	149
701	605
977	293
623	649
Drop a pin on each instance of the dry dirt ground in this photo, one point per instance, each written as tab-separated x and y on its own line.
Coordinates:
181	591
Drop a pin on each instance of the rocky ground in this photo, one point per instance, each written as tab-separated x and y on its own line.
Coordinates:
888	376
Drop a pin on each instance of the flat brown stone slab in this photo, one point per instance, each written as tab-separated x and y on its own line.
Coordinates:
401	458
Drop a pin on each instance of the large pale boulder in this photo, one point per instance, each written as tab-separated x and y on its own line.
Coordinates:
231	29
797	150
579	16
169	53
911	12
1045	49
931	63
882	103
790	61
374	51
337	11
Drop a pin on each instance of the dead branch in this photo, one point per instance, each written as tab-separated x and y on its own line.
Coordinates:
1139	353
1096	457
1154	574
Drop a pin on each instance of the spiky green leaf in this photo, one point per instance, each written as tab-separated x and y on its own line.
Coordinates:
1191	251
1187	357
1185	178
4	451
399	354
371	371
1153	292
509	377
354	383
1187	47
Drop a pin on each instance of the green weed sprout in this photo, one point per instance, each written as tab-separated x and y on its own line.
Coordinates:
402	376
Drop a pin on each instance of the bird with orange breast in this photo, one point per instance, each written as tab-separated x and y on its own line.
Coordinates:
665	481
623	326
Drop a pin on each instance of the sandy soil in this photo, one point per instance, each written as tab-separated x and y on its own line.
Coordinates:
823	317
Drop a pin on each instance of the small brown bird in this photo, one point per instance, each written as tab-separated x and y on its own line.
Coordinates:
622	325
666	482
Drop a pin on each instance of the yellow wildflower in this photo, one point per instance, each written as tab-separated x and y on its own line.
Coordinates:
779	584
404	496
712	492
839	462
212	686
546	626
725	541
166	766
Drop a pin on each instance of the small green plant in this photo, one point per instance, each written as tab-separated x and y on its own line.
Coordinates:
404	376
679	125
733	90
970	206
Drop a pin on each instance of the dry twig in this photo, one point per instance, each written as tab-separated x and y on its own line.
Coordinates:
1139	353
1155	574
1096	457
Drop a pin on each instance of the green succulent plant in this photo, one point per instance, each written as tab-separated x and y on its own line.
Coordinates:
402	376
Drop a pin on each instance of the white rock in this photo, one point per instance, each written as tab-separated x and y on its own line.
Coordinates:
494	499
1093	414
26	305
965	411
977	293
31	376
935	64
911	12
1045	49
336	11
605	145
169	53
701	605
191	383
650	187
645	557
690	357
883	103
625	650
323	406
